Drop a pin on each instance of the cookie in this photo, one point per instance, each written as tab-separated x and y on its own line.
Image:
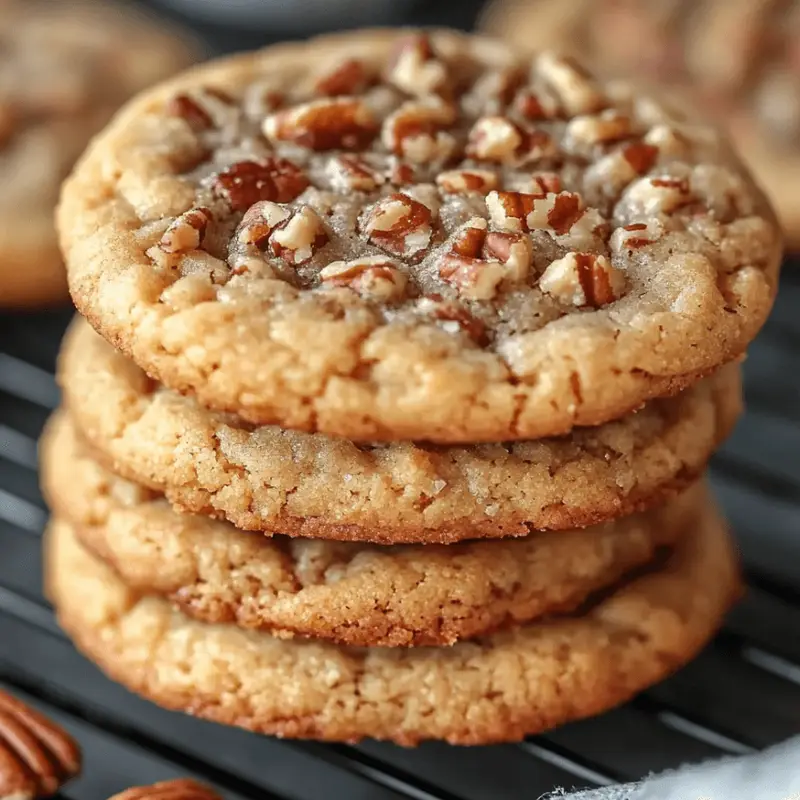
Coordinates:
428	238
733	59
64	69
354	594
498	688
310	485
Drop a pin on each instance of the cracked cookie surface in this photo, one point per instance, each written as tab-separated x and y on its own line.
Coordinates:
498	688
65	68
426	237
266	478
349	593
737	60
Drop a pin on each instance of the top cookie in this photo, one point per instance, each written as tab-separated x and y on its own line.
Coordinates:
390	235
64	69
738	58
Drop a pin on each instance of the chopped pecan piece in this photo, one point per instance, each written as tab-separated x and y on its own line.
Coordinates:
640	156
454	316
536	105
577	91
186	232
517	211
181	789
657	195
416	131
36	756
478	260
246	182
415	69
348	77
493	91
501	140
399	225
607	126
352	173
328	124
291	234
203	109
401	174
636	235
465	181
374	277
543	183
583	279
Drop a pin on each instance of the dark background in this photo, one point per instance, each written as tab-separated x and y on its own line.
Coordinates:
741	694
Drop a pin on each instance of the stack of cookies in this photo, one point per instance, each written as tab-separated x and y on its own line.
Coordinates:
408	356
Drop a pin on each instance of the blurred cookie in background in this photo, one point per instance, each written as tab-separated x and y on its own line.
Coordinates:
739	60
65	67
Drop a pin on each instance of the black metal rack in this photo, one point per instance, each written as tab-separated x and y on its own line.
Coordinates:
741	694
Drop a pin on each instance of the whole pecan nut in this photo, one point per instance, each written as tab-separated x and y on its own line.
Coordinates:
36	756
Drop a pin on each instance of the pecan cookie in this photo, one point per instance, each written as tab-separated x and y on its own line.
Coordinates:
305	484
425	238
64	69
498	688
738	59
354	594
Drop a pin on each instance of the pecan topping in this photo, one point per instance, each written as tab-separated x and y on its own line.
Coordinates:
518	211
36	756
348	77
335	123
186	232
353	173
375	277
501	140
399	225
583	279
479	260
182	789
608	126
536	105
415	69
416	131
636	235
401	174
203	109
464	181
494	90
454	316
648	196
640	156
246	182
577	91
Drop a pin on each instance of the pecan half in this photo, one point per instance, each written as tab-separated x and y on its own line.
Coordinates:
399	225
466	181
374	277
348	77
455	317
181	789
247	182
335	123
583	279
414	68
478	261
36	756
186	232
416	131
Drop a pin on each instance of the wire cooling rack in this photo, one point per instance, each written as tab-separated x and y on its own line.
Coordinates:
741	694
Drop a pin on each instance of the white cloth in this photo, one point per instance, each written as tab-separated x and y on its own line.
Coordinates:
771	775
